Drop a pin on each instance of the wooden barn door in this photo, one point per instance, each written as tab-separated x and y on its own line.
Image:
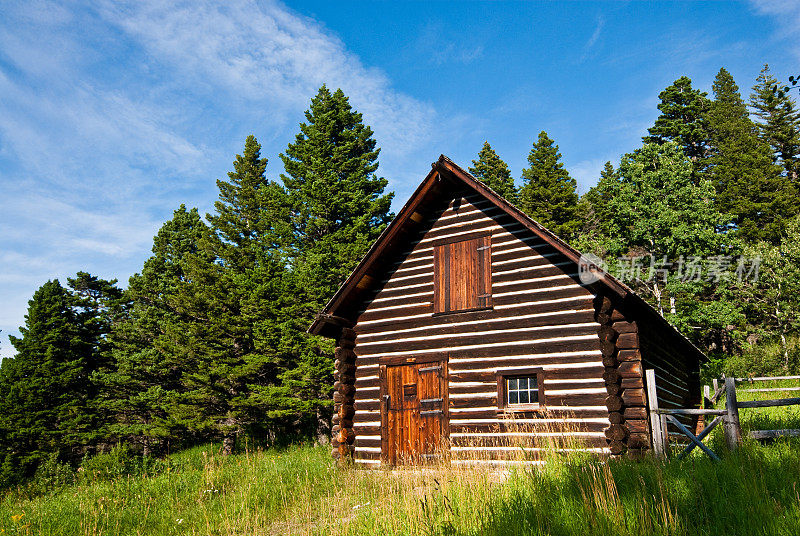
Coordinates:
414	412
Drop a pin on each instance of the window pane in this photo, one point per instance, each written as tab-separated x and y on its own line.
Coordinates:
523	383
534	396
513	397
523	397
512	384
533	382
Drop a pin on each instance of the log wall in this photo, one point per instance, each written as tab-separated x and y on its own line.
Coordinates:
542	316
677	371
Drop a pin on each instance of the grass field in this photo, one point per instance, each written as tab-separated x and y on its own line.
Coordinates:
299	490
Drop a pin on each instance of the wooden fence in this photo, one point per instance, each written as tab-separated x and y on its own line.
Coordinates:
660	419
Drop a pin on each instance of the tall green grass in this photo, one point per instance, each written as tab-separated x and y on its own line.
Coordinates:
300	490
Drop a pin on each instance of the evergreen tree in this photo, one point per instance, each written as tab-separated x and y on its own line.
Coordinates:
338	203
548	192
749	185
593	207
683	120
490	169
236	298
43	388
138	395
97	304
778	122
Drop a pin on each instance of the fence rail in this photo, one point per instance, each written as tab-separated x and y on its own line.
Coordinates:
660	419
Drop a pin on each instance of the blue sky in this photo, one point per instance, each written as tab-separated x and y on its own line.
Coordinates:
114	113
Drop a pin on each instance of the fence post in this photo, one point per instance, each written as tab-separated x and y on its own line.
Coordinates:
733	432
655	418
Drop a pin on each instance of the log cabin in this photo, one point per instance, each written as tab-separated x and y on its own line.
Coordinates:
469	326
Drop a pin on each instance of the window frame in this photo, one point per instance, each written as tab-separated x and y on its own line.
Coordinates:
483	266
502	395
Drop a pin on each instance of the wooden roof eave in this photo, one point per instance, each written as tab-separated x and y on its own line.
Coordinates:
384	241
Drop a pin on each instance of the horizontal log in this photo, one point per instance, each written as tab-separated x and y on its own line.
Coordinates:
365	455
567	289
546	326
592	371
629	355
630	369
613	388
459	403
609	361
632	413
637	425
346	344
511	316
615	417
523	361
367	406
593	399
542	427
633	383
541	441
623	326
628	341
533	336
633	397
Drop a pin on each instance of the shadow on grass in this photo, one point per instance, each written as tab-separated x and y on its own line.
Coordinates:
752	491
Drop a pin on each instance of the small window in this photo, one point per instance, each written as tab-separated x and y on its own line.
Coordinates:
520	390
462	275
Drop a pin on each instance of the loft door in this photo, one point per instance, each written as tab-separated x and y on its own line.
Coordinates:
414	412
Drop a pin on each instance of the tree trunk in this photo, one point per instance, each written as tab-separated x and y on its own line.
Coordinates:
657	294
228	443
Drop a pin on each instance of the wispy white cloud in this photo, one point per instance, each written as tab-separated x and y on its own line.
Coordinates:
598	30
113	113
787	15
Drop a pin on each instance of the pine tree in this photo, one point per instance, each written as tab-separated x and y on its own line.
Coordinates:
594	203
98	305
779	122
490	169
138	394
43	388
749	185
237	296
338	203
548	192
683	120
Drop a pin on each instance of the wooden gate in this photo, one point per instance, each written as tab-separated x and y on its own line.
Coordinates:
413	412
